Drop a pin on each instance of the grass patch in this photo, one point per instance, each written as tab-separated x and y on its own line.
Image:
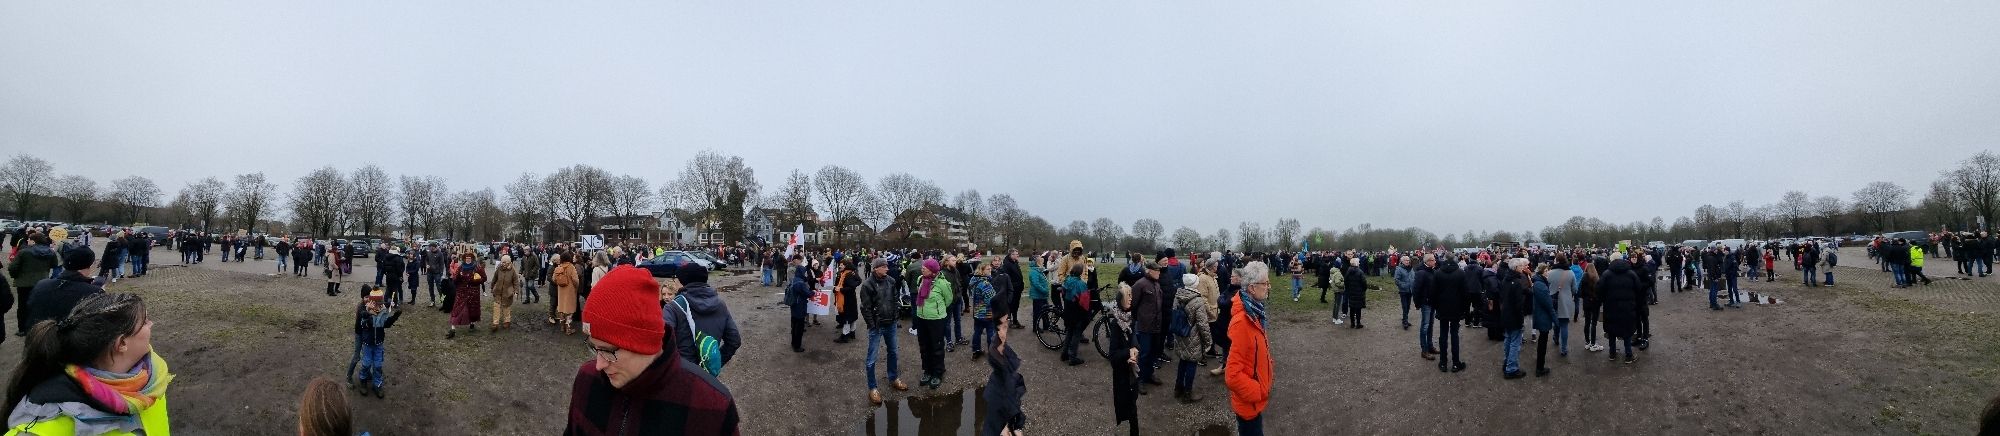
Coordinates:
1382	295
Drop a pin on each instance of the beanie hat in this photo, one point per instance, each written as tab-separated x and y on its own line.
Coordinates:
878	262
692	273
374	295
78	257
625	311
1190	280
931	265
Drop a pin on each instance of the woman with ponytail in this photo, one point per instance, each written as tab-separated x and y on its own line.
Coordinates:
91	372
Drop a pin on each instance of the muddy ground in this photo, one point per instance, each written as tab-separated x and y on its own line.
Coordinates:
1856	358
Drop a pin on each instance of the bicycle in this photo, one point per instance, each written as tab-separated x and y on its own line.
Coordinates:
1053	332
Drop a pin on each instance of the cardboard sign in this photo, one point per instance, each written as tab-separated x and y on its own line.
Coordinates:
592	242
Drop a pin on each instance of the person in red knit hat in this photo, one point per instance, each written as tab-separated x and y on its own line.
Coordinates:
632	387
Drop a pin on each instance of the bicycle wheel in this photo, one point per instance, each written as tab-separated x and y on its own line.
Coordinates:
1052	333
1097	337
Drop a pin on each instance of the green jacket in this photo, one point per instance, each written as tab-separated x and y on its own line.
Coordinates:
934	307
31	265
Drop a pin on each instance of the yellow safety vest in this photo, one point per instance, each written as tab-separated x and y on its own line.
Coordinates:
153	421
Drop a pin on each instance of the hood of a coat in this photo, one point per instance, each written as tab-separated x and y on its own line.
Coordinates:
702	299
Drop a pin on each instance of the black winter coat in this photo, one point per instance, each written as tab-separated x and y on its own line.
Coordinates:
53	298
1620	288
1448	293
1355	285
1512	302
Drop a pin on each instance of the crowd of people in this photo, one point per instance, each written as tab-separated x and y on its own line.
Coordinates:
657	344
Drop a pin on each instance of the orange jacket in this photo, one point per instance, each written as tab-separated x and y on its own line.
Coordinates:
1248	370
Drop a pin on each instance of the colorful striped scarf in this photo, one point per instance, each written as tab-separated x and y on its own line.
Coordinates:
125	394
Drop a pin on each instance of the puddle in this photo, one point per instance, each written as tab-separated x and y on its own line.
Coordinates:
953	414
935	415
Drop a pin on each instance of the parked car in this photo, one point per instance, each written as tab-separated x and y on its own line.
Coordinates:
158	234
680	257
1913	235
719	264
661	266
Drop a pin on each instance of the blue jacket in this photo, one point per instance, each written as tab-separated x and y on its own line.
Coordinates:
1038	285
1545	305
1405	280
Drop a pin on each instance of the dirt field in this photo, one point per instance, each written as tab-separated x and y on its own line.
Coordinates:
1857	358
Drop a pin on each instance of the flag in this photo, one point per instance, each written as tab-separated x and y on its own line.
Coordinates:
797	235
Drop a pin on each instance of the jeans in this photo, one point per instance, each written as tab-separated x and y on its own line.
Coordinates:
1406	309
983	328
1424	318
1810	279
1590	325
1296	288
138	262
1512	361
1146	355
371	364
952	317
1184	376
1732	287
767	282
1902	277
378	275
432	280
876	336
1250	427
1985	265
260	253
1339	304
281	261
1447	341
1562	336
1712	288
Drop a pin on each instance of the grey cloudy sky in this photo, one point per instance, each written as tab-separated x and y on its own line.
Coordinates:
1444	115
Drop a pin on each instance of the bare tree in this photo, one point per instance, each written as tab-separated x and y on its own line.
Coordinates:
1794	208
488	221
1977	184
1251	234
73	194
1008	219
1879	200
1107	233
1941	206
841	194
316	200
1149	230
794	201
251	198
1187	239
434	217
130	197
1733	215
1827	208
1220	241
582	193
1286	233
369	206
205	201
632	195
901	192
26	177
1077	230
711	183
974	206
416	196
522	199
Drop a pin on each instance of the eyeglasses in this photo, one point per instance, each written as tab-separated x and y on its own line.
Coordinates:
609	356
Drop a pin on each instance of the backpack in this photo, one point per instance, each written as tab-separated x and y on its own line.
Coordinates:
1180	327
707	350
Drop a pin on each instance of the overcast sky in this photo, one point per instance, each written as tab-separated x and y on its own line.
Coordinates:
1444	115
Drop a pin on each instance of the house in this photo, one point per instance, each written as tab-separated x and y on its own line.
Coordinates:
775	226
930	225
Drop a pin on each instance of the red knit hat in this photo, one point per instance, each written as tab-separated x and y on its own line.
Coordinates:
624	310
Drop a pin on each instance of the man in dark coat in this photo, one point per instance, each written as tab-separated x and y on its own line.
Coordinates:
1447	294
390	264
1146	321
1620	289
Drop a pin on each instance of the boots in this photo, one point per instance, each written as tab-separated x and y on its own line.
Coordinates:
874	397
